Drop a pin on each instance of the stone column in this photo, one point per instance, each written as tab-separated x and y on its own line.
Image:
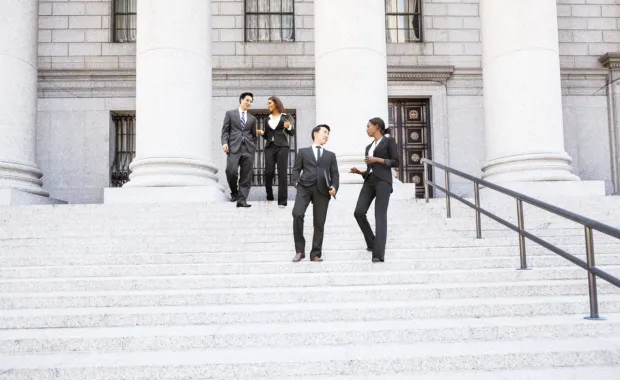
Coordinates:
351	75
18	102
522	92
612	62
173	104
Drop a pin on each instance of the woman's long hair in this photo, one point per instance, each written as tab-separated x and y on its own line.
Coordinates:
278	103
380	124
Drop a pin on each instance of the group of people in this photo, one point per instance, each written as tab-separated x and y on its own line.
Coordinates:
315	172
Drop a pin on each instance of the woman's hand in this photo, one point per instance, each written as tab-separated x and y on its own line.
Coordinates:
287	124
260	132
355	170
371	160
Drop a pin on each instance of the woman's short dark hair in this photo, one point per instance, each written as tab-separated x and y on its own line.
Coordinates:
243	95
317	129
380	124
278	103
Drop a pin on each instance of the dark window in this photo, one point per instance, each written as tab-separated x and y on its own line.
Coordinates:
259	156
124	19
403	20
124	148
269	20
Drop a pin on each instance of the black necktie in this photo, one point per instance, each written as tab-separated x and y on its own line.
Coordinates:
318	153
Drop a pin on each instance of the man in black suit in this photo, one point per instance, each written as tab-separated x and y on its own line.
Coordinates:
315	175
239	142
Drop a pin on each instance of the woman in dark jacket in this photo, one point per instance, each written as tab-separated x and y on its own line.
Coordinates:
278	130
381	157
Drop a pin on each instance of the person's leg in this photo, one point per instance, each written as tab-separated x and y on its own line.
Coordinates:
383	191
270	169
320	203
302	200
282	159
232	170
367	194
245	176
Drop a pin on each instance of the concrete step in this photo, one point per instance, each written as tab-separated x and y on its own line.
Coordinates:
303	312
277	264
373	276
275	232
251	255
362	359
307	334
243	243
565	373
288	295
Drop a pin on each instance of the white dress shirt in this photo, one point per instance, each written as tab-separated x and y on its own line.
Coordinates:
274	121
316	157
371	151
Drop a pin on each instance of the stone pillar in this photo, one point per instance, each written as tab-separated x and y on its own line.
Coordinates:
612	62
351	75
173	105
522	92
19	174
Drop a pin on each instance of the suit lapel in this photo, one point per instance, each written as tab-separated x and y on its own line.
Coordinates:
380	143
237	118
312	157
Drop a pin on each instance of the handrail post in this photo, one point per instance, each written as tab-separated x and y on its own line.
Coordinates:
592	291
521	223
448	211
426	177
477	203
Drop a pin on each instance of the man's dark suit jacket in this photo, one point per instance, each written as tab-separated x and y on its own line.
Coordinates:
308	172
387	150
233	134
279	135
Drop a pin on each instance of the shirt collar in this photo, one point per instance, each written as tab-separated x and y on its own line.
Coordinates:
377	142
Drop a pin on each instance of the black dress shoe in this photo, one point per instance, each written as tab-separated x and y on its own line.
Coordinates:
233	197
243	204
376	260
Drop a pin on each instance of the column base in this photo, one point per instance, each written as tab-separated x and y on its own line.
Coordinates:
550	189
12	197
178	194
545	167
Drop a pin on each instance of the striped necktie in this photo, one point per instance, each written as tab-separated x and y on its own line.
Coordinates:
242	120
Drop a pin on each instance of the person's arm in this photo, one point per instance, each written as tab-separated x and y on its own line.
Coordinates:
296	172
391	162
333	169
291	122
253	130
226	132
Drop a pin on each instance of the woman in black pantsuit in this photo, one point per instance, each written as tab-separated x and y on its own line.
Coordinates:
277	132
381	157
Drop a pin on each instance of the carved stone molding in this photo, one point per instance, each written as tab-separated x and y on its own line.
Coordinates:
610	60
419	73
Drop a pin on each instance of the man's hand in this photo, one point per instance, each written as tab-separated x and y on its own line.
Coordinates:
287	124
332	191
225	148
370	160
260	132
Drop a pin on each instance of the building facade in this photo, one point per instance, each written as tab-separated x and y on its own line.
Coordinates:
69	114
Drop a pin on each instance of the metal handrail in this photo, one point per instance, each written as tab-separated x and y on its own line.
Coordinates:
588	224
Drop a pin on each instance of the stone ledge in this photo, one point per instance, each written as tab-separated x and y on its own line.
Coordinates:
12	197
181	194
610	60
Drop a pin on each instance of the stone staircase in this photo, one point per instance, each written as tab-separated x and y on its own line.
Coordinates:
194	291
